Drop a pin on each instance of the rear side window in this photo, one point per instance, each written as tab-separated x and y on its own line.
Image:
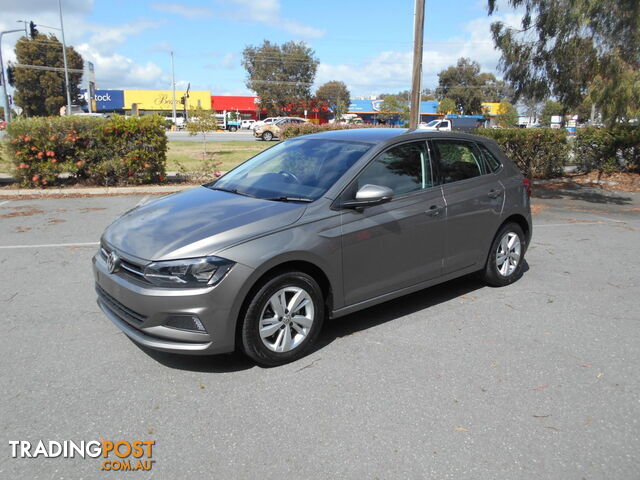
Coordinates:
404	169
458	160
493	163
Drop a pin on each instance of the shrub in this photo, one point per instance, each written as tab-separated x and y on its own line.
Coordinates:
538	152
94	150
611	150
295	130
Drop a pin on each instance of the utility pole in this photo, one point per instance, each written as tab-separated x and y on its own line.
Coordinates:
64	56
173	87
418	34
5	96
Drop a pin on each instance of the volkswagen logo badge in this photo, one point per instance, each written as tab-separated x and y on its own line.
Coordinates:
113	262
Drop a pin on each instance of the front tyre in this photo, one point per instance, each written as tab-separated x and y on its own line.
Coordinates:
283	319
267	136
506	257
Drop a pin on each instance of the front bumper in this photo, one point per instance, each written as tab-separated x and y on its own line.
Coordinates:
141	310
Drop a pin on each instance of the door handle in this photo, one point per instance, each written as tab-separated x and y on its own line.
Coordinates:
433	211
494	193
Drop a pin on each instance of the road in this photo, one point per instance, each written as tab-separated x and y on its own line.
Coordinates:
461	381
240	135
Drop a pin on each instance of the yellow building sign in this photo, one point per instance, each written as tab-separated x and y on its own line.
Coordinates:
491	108
163	99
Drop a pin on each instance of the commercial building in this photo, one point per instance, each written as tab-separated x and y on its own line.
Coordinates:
369	111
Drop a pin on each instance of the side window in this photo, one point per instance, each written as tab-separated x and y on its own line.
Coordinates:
492	161
458	160
403	169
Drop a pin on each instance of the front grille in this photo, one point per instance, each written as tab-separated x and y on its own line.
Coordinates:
134	270
119	309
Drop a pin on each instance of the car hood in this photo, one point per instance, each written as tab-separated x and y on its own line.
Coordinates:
195	223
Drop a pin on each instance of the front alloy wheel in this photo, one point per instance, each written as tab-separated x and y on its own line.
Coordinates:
286	319
283	318
267	136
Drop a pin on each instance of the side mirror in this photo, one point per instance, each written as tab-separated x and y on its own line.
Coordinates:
368	196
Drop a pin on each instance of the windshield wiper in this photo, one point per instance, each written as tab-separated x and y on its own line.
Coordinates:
233	190
289	199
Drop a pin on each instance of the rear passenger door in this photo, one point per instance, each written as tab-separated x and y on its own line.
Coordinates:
474	198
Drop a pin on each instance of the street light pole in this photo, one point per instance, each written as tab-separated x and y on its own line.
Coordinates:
64	56
5	96
418	34
173	87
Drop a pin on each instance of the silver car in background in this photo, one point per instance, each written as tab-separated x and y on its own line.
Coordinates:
316	226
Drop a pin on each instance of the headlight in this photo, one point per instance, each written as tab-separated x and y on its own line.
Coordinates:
191	272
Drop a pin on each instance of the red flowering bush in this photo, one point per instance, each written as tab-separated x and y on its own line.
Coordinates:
115	151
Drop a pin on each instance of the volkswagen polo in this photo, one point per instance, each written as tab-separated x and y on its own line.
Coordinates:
314	227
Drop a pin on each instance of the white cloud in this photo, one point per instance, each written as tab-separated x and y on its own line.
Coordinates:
117	71
105	38
186	11
390	71
268	12
42	6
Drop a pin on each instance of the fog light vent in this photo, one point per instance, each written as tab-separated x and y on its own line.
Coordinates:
186	322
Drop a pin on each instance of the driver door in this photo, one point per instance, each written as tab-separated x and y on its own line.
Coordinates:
397	244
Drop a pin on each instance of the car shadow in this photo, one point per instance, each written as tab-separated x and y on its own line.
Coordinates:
586	193
397	308
333	328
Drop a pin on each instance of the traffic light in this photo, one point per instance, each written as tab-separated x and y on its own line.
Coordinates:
33	32
182	100
11	76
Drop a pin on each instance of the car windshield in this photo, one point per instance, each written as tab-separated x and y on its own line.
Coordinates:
433	123
299	169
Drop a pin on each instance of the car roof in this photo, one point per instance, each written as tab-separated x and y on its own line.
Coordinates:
380	135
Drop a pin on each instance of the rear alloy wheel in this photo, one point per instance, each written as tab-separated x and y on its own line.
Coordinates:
233	128
283	319
506	257
267	136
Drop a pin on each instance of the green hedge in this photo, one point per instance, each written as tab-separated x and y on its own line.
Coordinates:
538	152
612	150
114	151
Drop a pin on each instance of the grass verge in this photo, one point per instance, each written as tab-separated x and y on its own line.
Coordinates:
190	156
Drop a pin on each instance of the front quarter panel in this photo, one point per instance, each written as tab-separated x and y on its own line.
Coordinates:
314	239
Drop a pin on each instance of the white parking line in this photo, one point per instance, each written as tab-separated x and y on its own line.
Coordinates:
4	203
569	223
51	245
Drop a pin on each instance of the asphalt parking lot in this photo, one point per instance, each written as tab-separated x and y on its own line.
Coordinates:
461	381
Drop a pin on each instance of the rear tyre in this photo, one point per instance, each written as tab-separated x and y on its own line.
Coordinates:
506	257
233	129
283	319
267	136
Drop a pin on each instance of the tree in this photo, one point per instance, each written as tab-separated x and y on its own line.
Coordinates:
394	106
469	88
507	115
281	75
446	105
43	92
202	121
336	96
573	49
549	110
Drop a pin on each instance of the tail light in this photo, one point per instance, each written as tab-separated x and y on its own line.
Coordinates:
526	183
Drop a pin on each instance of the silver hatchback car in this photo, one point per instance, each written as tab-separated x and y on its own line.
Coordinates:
317	226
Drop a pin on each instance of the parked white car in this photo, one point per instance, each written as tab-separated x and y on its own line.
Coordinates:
266	121
247	124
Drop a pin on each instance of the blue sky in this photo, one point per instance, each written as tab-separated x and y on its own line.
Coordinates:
366	44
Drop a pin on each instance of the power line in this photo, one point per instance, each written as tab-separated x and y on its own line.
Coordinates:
41	67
